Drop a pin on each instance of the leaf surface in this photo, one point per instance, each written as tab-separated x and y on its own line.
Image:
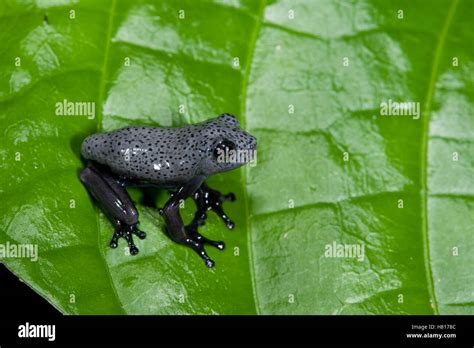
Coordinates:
307	78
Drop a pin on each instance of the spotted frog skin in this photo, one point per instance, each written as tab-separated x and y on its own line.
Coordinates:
179	159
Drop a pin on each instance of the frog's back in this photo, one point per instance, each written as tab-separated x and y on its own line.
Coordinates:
160	156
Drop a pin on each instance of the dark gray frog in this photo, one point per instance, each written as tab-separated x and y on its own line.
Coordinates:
180	159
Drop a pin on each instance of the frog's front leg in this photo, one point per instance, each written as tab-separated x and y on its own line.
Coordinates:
209	199
187	235
115	203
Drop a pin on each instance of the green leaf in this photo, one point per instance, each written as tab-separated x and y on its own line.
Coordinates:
308	79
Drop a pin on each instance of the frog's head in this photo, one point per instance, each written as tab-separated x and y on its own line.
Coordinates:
227	145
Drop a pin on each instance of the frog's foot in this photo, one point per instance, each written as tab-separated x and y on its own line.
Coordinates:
126	231
196	241
209	199
187	235
191	231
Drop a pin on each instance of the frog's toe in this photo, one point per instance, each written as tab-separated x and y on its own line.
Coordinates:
198	247
133	250
199	238
113	243
209	263
220	212
215	243
229	197
126	232
209	199
228	222
140	234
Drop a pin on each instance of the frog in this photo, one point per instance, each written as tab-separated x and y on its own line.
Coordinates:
176	159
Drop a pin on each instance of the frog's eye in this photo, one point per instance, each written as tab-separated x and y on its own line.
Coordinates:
223	147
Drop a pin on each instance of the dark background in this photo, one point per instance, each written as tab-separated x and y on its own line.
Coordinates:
19	304
18	300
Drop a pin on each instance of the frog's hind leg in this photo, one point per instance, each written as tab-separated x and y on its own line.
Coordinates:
115	203
187	235
209	199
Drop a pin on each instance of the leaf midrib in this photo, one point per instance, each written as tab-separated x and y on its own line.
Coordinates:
424	154
243	109
101	101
